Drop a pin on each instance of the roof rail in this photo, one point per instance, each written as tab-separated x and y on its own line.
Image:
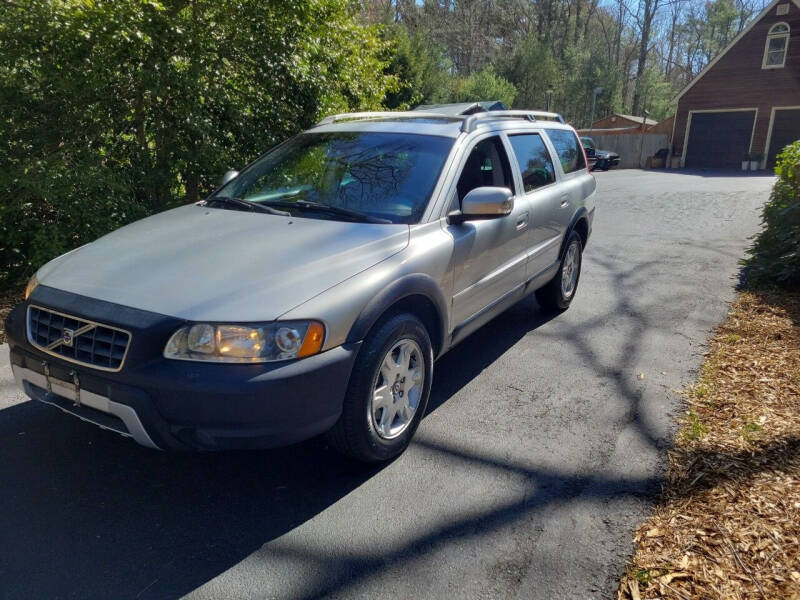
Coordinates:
468	122
388	114
472	121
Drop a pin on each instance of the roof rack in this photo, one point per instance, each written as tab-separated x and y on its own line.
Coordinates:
387	114
461	108
468	122
472	121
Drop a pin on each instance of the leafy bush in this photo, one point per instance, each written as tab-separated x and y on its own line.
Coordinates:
483	85
775	255
114	110
420	67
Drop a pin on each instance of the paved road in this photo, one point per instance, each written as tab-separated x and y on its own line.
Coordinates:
541	451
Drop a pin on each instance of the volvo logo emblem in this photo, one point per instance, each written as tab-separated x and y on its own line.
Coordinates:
67	337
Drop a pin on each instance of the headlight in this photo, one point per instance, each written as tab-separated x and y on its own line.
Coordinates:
32	285
246	343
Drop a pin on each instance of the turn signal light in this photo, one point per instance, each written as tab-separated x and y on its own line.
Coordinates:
312	343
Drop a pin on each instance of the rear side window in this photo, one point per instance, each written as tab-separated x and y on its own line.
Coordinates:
534	160
569	150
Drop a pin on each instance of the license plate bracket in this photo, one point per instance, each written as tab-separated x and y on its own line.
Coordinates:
74	380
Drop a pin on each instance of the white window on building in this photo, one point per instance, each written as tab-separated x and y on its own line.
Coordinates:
776	46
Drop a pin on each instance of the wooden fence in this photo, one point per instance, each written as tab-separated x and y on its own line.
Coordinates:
633	148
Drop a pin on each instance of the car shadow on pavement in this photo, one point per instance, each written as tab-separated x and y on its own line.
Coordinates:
86	514
482	348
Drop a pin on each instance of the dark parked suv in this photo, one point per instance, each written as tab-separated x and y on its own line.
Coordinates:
599	159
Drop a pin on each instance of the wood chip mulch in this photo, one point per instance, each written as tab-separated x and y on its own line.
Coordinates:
8	300
728	522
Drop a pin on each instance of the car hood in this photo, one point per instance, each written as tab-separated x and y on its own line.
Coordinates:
209	264
605	154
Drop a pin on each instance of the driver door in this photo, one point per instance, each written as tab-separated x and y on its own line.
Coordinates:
490	255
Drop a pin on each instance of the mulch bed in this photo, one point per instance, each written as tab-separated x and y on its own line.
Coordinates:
8	300
728	522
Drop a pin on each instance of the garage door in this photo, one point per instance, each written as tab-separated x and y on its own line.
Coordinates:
785	130
719	139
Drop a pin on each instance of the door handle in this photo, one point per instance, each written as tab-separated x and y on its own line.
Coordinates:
564	201
522	221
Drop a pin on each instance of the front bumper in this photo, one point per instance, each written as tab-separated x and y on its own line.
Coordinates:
171	404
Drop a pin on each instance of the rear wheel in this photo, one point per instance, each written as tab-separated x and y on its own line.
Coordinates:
388	391
560	291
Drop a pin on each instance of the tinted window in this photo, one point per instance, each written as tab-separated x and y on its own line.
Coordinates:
487	164
534	160
384	175
569	151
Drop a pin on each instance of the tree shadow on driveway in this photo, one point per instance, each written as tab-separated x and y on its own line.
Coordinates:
85	514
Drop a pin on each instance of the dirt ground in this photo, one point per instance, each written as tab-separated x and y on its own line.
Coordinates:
728	523
8	300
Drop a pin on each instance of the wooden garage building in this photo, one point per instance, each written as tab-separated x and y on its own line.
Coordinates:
620	121
746	100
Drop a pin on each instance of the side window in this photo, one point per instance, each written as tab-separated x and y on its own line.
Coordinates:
534	160
487	164
569	150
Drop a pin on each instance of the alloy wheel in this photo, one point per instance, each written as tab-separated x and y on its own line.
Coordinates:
398	389
570	270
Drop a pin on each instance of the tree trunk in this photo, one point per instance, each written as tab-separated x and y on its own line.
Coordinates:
650	8
192	188
577	33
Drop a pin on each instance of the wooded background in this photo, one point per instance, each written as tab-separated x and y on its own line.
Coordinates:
640	52
111	110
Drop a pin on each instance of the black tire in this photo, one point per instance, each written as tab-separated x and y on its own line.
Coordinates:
356	434
552	297
606	168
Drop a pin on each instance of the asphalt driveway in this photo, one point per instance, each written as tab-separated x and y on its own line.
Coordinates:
541	451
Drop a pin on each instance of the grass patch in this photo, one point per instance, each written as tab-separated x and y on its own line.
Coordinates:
694	429
728	521
750	430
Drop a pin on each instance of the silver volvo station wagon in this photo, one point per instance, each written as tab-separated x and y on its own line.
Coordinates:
312	291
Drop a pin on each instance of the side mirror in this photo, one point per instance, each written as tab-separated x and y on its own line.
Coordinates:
483	203
228	176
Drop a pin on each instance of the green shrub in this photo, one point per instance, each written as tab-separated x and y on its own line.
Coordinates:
482	85
774	258
110	111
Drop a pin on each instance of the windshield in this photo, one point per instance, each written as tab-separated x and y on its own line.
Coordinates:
587	142
386	176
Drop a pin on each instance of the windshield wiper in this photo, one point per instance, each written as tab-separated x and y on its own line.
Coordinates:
242	204
334	210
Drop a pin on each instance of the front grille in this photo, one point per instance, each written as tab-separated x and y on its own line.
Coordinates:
77	340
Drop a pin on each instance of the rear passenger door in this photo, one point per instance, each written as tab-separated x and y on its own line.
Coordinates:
575	178
543	197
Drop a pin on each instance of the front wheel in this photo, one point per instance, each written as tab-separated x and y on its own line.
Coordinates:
388	391
559	292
